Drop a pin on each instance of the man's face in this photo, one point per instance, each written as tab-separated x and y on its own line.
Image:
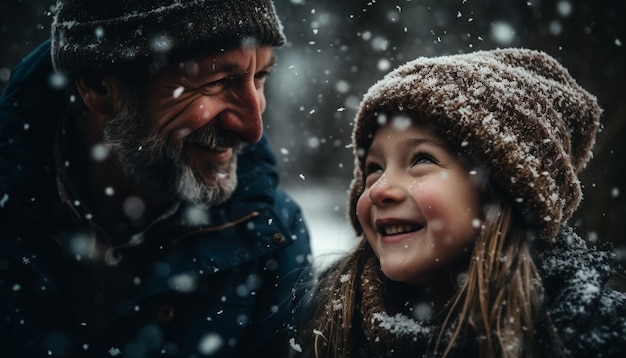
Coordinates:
181	142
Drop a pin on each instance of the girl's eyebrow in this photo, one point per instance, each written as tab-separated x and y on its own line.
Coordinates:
411	142
423	141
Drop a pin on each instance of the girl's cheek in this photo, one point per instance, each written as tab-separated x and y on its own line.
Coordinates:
363	209
429	202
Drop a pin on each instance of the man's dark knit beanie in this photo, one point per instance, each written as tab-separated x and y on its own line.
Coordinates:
515	113
118	35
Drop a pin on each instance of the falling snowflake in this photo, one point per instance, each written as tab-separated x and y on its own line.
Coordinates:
210	344
295	346
4	200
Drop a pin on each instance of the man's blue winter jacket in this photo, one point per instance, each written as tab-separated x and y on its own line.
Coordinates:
224	289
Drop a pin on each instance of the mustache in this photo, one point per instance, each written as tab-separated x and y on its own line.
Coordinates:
209	136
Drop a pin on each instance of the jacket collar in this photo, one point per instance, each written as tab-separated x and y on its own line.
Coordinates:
29	108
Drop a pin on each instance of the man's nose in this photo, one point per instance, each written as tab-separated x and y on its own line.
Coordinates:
385	191
244	116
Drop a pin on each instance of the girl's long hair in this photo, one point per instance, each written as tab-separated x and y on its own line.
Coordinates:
500	302
335	303
502	299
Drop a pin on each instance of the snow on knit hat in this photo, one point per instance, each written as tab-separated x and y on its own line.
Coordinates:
100	36
516	113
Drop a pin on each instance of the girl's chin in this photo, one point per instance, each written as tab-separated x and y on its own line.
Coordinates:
399	273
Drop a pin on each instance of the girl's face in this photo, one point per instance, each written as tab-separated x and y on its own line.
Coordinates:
421	207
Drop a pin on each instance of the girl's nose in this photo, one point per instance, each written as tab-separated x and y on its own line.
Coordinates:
386	191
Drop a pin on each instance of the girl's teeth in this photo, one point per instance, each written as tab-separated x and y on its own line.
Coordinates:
398	229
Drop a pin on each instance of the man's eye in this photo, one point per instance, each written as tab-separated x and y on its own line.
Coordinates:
215	86
220	82
261	75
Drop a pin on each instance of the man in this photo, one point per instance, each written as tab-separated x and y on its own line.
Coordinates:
139	208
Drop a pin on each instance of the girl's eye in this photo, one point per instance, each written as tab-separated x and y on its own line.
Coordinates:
372	168
423	158
372	173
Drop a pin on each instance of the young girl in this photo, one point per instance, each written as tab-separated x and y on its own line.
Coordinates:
466	172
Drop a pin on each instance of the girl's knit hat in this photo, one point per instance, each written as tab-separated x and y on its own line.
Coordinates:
99	36
515	113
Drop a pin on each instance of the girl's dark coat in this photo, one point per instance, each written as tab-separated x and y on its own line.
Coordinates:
588	315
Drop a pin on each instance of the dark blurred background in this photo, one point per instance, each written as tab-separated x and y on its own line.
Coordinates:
337	49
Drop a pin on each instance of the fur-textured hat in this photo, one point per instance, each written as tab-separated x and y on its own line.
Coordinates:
100	36
515	113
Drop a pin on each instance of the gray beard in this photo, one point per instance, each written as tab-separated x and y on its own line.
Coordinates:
160	165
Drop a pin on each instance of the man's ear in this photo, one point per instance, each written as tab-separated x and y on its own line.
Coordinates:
98	93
